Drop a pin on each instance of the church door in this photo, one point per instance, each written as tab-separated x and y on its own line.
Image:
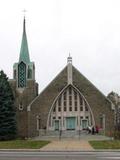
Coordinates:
70	123
56	124
84	123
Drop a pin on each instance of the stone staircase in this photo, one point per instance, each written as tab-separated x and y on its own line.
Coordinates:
52	133
61	134
69	134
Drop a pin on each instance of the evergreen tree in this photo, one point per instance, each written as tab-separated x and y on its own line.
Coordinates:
7	110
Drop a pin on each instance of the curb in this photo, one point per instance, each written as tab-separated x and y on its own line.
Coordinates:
39	150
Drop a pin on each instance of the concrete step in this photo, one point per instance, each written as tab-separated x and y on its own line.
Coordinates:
62	134
69	133
52	133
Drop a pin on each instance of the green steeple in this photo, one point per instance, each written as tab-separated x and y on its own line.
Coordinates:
24	52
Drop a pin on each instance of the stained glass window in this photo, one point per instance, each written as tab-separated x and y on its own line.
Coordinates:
21	75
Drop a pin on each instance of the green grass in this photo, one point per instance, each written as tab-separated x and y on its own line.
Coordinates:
108	144
22	144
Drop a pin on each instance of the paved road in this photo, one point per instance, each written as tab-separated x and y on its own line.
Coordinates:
59	155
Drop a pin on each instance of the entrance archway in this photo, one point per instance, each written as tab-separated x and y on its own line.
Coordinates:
71	110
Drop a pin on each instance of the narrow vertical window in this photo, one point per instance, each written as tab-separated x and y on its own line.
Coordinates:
70	108
81	100
70	90
70	103
75	108
54	109
59	101
64	103
22	75
70	100
65	109
14	74
81	108
75	95
29	73
59	109
64	95
75	103
38	123
86	106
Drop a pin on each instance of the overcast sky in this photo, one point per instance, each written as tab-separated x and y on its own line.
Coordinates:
88	29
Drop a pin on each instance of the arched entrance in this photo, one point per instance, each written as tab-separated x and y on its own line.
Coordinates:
70	111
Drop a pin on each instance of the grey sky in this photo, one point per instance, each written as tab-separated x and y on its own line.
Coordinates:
88	29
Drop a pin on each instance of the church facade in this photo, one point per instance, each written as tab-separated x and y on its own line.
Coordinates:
70	102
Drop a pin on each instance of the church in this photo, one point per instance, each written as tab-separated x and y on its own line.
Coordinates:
70	102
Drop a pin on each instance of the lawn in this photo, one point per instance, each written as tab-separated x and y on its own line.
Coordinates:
108	144
22	144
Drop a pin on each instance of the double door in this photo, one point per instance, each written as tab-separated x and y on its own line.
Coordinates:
70	123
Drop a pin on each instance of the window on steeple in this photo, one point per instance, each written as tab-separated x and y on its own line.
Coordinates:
14	74
29	73
22	75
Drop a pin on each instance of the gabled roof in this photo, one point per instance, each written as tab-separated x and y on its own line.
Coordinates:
94	97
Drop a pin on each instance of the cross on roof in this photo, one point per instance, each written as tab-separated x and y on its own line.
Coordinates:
24	11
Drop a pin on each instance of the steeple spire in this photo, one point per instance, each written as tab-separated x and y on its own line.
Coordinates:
24	52
24	70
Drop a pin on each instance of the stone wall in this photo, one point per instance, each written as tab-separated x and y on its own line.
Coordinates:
98	102
41	105
23	98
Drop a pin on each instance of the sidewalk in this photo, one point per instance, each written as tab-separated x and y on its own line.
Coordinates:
68	145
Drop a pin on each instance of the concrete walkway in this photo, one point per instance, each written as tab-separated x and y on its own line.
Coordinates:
68	145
